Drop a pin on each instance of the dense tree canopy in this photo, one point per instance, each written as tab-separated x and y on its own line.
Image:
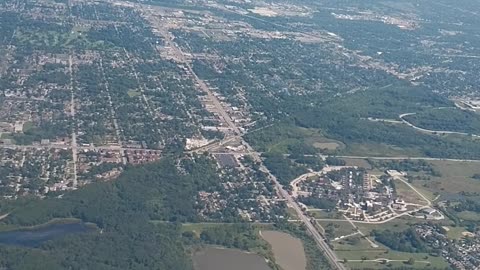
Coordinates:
122	210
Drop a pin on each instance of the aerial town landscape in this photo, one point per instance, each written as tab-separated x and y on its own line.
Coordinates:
238	134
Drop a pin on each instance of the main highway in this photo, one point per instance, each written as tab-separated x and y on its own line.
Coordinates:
319	239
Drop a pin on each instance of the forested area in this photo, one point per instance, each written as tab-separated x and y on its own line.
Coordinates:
406	165
344	118
241	236
447	119
283	168
406	241
122	210
319	203
468	205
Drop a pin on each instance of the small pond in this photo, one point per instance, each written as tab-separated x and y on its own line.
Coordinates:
228	259
36	236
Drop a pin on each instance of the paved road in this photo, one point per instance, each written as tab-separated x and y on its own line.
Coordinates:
74	123
65	146
331	256
112	108
299	179
429	203
319	239
372	244
402	117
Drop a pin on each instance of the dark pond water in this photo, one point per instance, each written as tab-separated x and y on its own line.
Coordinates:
35	237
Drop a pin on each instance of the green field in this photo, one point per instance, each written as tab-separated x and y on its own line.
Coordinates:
197	228
447	119
381	150
363	250
133	93
27	126
339	228
284	137
325	214
57	40
469	215
456	177
398	224
455	232
358	162
408	194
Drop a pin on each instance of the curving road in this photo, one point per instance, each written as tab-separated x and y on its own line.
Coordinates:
402	117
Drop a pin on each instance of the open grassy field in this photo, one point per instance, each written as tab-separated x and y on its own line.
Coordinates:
408	194
398	224
363	251
282	137
381	150
455	232
456	177
292	213
429	194
133	93
197	228
27	126
325	214
358	162
421	264
310	137
340	228
469	215
55	39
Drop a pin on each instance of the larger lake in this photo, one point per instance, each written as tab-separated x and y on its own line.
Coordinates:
35	237
228	259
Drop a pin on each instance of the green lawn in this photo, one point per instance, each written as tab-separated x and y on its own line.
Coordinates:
358	162
27	126
455	177
469	215
53	39
398	224
455	232
281	137
133	93
325	214
340	228
7	136
197	228
408	194
378	265
364	250
381	150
